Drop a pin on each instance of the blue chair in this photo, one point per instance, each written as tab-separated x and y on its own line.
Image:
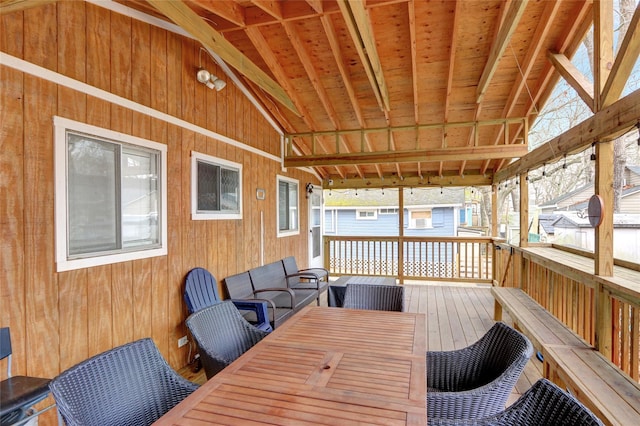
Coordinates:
201	291
18	394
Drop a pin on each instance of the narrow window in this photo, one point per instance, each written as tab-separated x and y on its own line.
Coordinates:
288	215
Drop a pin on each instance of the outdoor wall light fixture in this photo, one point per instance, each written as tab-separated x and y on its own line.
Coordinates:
210	80
206	78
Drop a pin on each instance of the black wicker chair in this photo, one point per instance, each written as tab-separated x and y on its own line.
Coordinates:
544	404
476	381
222	335
128	385
374	297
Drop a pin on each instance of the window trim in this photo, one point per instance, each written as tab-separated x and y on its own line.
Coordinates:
412	221
289	232
372	217
63	263
210	214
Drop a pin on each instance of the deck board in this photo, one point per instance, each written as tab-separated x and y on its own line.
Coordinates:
457	315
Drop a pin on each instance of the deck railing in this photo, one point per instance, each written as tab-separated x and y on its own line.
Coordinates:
604	311
412	258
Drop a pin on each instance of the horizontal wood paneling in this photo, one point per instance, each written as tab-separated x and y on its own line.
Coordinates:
59	319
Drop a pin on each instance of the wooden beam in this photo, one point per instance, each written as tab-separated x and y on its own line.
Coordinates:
357	22
273	8
516	10
186	18
316	5
230	11
411	11
624	63
574	77
604	125
524	210
604	188
602	48
414	156
9	6
408	181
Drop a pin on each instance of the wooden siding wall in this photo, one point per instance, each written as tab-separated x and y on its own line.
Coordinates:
60	319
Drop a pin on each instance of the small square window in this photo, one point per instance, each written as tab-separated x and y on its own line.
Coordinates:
288	215
216	188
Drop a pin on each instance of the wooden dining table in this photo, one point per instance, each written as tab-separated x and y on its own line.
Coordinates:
323	366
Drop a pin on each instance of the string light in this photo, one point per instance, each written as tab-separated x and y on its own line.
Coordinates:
638	127
544	171
564	165
593	151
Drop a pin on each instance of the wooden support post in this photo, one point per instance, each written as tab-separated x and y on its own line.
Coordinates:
494	210
604	245
401	235
524	211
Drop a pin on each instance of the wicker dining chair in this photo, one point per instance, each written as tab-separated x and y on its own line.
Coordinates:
374	297
543	404
476	381
222	335
129	385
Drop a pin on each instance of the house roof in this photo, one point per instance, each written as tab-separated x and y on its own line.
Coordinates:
625	193
558	200
546	222
389	197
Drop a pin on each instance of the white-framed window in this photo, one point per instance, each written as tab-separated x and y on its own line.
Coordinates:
331	221
366	214
287	202
110	196
420	219
216	188
388	210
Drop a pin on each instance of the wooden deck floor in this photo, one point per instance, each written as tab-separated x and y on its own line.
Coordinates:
457	315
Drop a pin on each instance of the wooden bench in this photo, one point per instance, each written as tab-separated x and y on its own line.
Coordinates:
571	362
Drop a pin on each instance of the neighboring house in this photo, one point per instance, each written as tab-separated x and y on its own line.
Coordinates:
578	199
567	201
427	212
631	176
574	230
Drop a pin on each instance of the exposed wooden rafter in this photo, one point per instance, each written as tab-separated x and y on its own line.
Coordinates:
9	6
602	48
512	18
357	21
185	17
625	60
346	78
542	30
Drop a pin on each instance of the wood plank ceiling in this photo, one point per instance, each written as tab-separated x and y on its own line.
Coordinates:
376	92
